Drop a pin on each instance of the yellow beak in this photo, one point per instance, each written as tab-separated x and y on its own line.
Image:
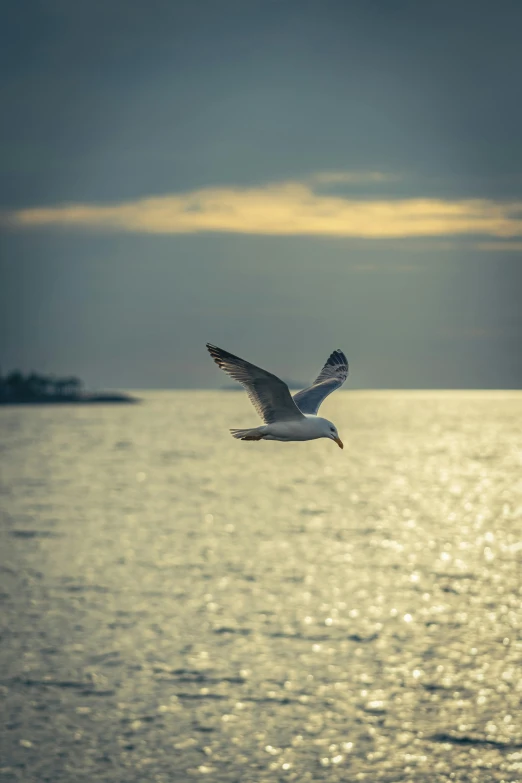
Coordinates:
339	442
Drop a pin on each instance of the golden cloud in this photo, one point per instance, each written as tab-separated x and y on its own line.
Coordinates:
286	209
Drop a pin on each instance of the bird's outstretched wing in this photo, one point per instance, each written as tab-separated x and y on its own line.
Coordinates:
268	394
331	377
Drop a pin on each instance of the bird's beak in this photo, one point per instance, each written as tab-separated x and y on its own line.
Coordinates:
339	442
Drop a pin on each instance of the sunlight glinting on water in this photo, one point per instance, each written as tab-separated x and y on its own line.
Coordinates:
185	606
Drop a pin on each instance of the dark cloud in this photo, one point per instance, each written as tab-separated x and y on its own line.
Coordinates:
106	101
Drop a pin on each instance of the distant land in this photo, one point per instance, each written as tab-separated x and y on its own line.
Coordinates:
36	389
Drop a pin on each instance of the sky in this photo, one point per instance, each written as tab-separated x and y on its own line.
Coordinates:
278	177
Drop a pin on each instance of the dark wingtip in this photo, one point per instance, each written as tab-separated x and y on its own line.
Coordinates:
337	359
216	354
338	355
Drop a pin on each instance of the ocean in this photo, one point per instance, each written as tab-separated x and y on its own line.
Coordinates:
179	605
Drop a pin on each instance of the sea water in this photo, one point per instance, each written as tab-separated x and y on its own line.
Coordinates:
178	605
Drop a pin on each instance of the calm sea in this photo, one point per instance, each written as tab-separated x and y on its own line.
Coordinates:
178	605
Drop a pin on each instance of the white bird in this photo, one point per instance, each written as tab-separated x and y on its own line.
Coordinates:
286	418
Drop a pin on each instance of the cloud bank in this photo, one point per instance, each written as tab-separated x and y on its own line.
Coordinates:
287	209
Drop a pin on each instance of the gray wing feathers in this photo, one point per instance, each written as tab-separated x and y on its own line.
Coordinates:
268	394
331	377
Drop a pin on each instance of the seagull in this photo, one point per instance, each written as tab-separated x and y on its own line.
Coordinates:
286	418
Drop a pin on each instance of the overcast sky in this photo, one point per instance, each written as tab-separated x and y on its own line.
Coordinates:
278	177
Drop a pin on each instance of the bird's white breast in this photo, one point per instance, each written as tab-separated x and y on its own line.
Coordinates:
308	428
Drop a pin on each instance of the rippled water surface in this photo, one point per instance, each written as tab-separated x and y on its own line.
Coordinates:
177	604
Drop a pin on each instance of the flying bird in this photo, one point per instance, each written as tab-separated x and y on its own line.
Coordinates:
286	418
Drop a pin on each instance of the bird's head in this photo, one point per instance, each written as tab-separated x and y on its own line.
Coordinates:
330	431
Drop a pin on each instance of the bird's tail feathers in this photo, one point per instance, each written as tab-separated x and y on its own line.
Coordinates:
252	434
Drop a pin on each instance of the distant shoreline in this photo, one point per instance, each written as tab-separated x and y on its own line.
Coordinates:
36	389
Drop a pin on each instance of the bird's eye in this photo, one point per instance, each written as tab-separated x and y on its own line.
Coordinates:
332	429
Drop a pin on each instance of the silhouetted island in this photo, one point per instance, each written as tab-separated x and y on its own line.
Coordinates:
36	389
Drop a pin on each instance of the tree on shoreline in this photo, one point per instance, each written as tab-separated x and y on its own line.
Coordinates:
16	387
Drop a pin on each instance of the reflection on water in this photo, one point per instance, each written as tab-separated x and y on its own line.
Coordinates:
177	604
